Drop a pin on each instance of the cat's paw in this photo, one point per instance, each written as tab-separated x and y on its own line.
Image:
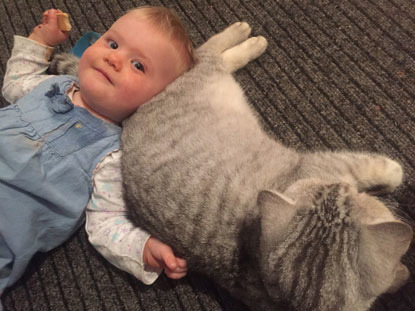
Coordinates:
394	174
228	38
387	175
238	32
238	56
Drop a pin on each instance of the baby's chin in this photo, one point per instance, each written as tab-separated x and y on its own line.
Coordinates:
96	107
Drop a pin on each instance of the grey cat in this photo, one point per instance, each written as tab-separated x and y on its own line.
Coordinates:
279	229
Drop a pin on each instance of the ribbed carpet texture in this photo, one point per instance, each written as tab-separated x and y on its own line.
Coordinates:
336	75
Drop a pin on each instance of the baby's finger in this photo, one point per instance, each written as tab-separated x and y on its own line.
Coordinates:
181	270
177	270
174	275
181	263
52	16
45	17
169	259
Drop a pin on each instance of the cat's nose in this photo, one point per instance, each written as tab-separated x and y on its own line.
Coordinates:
115	61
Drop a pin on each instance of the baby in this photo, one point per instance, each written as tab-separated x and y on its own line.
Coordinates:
60	140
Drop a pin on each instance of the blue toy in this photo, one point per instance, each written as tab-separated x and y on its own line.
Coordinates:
84	42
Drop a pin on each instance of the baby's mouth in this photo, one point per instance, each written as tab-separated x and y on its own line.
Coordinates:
105	75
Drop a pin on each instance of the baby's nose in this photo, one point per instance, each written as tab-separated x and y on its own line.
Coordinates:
115	61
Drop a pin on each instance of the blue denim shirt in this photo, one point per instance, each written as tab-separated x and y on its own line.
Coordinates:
48	151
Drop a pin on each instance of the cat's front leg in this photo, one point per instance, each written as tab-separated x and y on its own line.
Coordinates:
241	54
368	172
231	36
235	47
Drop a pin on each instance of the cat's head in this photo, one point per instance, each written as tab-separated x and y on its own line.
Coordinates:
328	247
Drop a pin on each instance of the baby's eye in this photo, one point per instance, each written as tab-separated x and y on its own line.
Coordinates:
112	44
138	65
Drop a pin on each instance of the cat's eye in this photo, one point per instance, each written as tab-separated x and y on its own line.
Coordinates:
137	65
112	44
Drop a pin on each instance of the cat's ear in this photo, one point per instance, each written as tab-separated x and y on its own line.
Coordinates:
276	211
394	236
382	246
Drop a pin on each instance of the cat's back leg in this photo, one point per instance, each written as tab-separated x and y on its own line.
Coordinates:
378	174
368	172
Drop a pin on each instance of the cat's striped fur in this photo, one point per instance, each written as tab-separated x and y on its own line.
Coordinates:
64	63
196	160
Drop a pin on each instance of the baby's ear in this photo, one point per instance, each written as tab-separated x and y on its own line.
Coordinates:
276	212
382	246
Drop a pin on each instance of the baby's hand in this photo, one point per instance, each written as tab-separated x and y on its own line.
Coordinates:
48	32
159	255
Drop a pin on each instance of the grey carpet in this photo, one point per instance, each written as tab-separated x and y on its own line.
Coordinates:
336	75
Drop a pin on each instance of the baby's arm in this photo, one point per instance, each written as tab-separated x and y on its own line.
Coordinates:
116	238
29	60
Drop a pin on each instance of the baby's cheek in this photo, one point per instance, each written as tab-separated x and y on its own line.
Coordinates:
135	95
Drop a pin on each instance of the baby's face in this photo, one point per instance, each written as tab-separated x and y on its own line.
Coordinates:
126	67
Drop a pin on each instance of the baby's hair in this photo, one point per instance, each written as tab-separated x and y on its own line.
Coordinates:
168	22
